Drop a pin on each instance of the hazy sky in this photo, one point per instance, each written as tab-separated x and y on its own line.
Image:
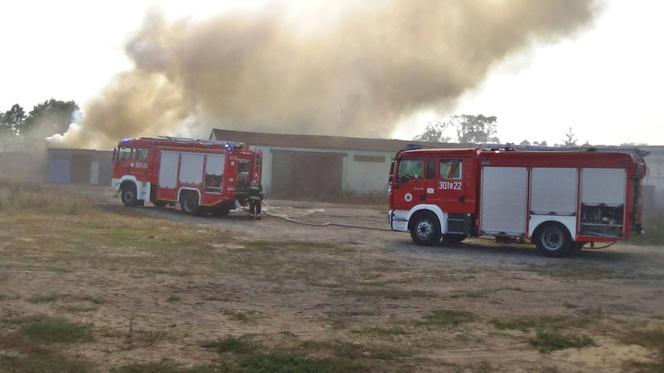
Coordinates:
604	82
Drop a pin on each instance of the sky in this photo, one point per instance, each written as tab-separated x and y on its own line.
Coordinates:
604	82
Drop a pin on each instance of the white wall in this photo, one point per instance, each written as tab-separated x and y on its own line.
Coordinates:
266	179
359	177
363	177
655	177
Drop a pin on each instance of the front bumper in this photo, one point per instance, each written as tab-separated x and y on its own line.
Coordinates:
115	184
398	220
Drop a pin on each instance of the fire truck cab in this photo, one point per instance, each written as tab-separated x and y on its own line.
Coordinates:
199	175
561	200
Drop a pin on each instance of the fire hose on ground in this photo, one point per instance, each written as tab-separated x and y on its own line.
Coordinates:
326	224
330	224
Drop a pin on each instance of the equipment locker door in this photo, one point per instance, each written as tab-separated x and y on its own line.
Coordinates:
168	175
553	197
504	200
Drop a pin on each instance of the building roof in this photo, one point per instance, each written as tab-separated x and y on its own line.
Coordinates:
320	142
77	151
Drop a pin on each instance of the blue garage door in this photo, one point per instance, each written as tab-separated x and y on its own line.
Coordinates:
59	171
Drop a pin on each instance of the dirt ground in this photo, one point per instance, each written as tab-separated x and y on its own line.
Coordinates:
162	289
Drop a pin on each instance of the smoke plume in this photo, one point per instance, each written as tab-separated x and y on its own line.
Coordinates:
355	73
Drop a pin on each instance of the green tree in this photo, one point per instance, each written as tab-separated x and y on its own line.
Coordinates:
470	129
48	118
11	120
476	129
435	132
4	129
570	138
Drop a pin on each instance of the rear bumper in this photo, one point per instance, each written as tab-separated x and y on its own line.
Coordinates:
398	220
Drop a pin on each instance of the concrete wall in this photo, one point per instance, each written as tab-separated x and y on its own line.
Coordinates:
22	160
654	180
66	166
367	172
363	173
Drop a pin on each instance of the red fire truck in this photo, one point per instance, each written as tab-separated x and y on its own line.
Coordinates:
561	200
200	176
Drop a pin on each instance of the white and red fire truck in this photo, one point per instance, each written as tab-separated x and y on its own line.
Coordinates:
561	200
200	176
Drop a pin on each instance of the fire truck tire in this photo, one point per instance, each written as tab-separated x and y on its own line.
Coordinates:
451	239
128	194
425	229
189	204
553	240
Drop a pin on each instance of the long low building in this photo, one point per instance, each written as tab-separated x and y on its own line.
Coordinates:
654	181
294	166
30	160
322	167
79	166
331	167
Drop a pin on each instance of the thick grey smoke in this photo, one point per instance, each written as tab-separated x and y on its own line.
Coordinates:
354	75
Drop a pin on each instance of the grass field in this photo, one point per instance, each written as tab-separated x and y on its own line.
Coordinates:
89	286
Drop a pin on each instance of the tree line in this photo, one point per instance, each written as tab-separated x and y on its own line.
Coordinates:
45	119
481	129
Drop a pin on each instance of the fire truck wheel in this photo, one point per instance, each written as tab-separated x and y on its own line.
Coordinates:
451	239
425	229
128	195
189	204
553	240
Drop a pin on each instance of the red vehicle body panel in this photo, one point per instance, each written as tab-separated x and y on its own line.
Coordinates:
146	168
463	196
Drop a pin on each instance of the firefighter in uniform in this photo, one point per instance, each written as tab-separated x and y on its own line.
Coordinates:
255	191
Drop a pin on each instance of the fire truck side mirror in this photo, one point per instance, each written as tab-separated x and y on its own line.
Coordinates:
391	179
115	153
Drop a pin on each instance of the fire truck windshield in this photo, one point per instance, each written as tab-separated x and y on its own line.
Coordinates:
124	154
410	169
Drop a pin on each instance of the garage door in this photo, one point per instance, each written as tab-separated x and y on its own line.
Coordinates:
59	171
80	168
306	175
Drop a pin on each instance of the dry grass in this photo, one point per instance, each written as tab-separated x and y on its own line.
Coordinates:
18	198
56	232
579	319
446	318
151	290
546	341
652	339
46	329
34	344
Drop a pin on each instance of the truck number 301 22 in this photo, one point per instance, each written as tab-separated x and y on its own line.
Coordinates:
450	185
